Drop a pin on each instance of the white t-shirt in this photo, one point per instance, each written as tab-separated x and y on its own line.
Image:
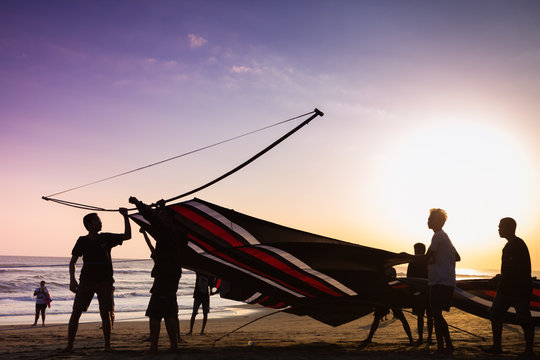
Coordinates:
41	296
442	267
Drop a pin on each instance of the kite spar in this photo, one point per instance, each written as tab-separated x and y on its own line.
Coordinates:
316	112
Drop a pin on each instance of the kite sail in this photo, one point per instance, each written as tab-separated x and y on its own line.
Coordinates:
474	296
261	262
332	281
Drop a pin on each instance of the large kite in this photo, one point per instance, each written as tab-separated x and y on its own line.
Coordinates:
333	281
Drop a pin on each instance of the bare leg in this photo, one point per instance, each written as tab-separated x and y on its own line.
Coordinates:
37	317
429	329
178	329
441	332
155	327
496	329
106	327
528	331
171	325
406	327
420	327
205	319
72	329
43	317
191	323
373	328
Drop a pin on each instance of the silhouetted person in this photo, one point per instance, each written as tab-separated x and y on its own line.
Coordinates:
42	300
201	296
514	287
382	311
441	258
152	249
419	269
166	272
96	274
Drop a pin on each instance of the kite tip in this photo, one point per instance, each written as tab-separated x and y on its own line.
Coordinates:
318	112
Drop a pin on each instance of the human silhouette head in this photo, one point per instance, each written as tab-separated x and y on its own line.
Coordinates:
419	249
92	222
437	218
507	227
42	283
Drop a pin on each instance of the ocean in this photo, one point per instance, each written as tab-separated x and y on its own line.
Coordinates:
21	275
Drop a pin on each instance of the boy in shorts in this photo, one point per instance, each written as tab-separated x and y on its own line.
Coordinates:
96	274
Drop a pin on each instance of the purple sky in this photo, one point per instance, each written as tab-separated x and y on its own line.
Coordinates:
427	104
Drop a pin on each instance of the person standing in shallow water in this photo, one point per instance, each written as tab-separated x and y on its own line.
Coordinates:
514	287
441	258
42	300
96	274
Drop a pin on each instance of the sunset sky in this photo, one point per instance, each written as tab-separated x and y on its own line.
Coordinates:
427	104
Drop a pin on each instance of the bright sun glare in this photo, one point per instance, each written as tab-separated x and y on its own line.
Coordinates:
477	173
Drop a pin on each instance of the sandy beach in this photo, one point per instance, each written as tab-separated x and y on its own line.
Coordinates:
280	335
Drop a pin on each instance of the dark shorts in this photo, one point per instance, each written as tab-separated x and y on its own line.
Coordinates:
421	307
204	301
86	291
381	311
421	310
503	301
41	307
162	306
440	297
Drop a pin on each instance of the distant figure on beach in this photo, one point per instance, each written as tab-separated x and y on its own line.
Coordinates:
166	272
43	299
514	287
152	255
382	311
419	269
441	258
201	296
96	274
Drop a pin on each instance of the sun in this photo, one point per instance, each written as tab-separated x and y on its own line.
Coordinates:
478	173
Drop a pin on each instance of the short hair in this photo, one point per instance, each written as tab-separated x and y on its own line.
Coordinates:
42	282
420	246
509	224
87	220
439	215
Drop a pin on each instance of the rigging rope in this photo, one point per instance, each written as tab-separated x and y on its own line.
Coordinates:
313	113
181	155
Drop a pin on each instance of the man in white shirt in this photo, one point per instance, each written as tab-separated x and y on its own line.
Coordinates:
441	258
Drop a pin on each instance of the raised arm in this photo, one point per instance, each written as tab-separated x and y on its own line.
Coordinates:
146	211
147	239
127	224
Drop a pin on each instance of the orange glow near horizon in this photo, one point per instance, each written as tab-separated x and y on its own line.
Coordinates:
477	173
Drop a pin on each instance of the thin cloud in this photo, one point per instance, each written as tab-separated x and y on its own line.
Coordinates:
196	41
239	69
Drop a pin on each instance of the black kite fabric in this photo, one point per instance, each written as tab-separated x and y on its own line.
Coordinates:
265	263
333	281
